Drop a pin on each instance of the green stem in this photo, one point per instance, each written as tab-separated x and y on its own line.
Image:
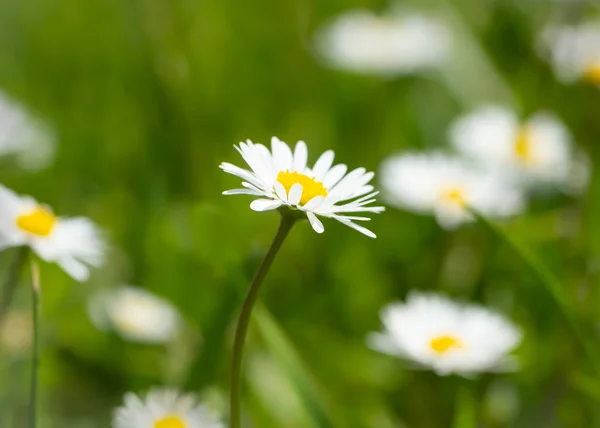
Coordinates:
550	281
35	293
12	280
465	412
285	225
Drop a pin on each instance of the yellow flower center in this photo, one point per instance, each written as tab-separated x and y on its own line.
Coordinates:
454	196
443	344
592	74
170	422
522	146
39	222
310	186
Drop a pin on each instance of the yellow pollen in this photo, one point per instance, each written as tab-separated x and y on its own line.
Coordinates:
522	146
592	74
39	222
443	344
170	422
454	196
310	186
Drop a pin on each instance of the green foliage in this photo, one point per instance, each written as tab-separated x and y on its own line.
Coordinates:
148	97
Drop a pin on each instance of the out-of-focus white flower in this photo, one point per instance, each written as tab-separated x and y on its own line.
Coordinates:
446	336
164	408
23	136
135	314
574	51
537	151
392	45
284	179
444	186
72	243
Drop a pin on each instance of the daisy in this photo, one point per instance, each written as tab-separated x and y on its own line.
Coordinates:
73	243
135	314
283	179
445	187
23	136
164	408
535	151
392	45
574	51
446	336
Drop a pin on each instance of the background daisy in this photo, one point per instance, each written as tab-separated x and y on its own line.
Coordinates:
574	51
444	187
73	243
284	179
164	408
390	45
135	314
23	136
445	336
537	151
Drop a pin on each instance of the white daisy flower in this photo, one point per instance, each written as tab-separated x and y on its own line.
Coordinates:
73	243
397	44
282	178
574	51
447	337
536	151
26	138
443	186
164	408
135	314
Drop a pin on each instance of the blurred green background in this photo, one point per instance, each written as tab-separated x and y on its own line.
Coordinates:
148	97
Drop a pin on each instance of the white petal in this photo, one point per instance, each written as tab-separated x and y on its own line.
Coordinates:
282	154
75	269
243	192
295	194
280	191
313	203
355	226
334	175
242	173
323	164
315	222
265	204
300	156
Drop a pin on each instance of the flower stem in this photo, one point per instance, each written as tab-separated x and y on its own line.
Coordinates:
465	411
12	280
550	281
285	225
35	294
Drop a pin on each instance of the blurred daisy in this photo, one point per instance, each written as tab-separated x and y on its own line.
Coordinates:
282	178
135	314
164	408
447	337
24	136
73	243
574	51
536	151
444	187
363	42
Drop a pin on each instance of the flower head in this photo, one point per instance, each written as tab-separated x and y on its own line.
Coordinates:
164	408
282	178
445	336
23	136
536	151
135	314
574	51
73	243
391	45
445	187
